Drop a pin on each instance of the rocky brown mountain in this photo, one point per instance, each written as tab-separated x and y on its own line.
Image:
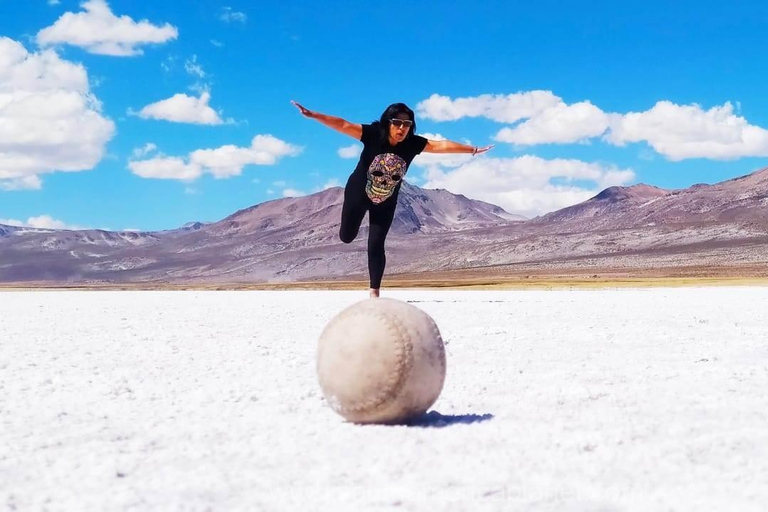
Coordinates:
743	199
289	239
258	243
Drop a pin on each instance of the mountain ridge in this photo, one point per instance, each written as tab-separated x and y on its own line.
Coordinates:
639	226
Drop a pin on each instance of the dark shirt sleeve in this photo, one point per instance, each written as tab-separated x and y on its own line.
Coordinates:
419	143
370	134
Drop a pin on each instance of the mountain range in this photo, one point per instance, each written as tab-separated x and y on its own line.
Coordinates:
630	229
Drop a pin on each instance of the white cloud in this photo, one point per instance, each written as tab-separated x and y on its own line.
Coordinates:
223	162
99	31
228	15
688	131
292	192
181	108
200	88
331	183
165	168
194	68
506	109
559	123
279	183
41	222
674	131
217	44
24	183
169	63
527	185
54	2
352	151
148	148
228	161
440	159
49	119
547	118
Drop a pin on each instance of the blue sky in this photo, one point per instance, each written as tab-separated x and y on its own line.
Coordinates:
148	115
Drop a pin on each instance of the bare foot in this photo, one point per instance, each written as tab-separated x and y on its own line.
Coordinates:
374	293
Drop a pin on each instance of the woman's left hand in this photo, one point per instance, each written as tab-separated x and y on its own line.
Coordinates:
484	149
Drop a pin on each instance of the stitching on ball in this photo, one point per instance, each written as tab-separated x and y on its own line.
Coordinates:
440	344
395	380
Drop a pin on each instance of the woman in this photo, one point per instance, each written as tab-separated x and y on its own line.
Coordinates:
389	147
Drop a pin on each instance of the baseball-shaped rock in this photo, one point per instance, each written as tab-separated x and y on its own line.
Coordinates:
381	361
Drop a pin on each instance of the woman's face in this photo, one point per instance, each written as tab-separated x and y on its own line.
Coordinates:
399	127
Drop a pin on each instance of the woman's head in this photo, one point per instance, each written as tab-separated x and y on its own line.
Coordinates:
397	123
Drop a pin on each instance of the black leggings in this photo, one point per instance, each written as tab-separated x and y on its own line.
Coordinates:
380	217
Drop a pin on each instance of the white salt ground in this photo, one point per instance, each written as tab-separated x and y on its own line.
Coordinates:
609	400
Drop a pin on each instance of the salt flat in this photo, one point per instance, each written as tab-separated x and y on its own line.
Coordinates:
630	399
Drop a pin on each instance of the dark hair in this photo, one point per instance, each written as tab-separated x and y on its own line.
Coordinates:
391	112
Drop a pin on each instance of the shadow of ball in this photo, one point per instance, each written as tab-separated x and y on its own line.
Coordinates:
381	361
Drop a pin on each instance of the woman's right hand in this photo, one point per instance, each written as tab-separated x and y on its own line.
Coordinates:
337	123
304	111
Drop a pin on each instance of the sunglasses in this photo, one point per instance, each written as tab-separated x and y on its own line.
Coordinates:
397	123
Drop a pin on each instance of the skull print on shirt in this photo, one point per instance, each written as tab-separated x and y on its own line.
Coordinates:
384	173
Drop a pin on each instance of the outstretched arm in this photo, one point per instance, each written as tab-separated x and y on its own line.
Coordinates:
337	123
448	146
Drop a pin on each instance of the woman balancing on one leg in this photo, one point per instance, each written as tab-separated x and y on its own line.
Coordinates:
389	146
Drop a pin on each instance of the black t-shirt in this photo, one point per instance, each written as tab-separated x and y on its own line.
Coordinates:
382	167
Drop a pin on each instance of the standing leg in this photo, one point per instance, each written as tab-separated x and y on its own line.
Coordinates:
381	217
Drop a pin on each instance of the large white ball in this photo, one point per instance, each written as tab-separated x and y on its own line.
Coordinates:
381	361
